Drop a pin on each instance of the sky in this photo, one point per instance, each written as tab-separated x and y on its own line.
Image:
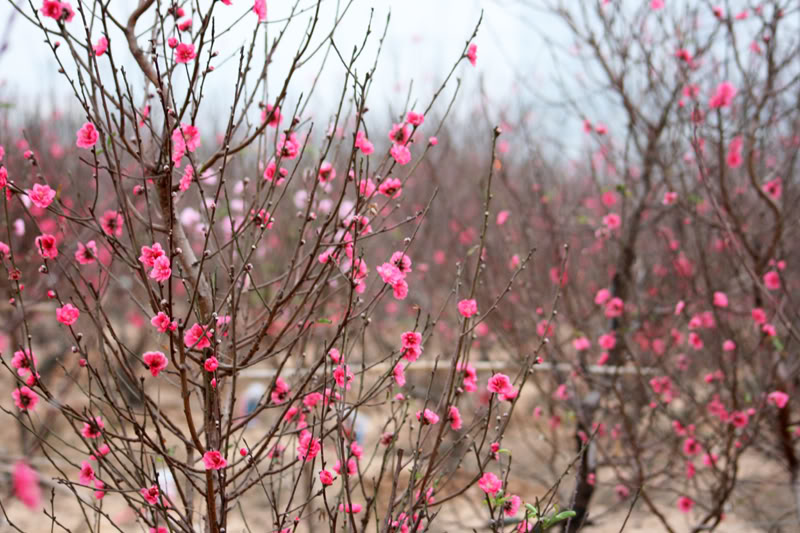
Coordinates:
424	39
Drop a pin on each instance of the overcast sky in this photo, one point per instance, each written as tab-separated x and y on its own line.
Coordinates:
425	37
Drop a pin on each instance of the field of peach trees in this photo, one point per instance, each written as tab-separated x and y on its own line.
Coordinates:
228	307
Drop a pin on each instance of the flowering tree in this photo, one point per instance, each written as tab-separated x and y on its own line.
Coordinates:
174	268
269	322
670	360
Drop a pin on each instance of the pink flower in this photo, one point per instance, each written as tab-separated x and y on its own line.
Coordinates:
289	147
772	280
612	221
260	9
398	373
562	392
326	172
350	508
614	308
454	417
411	339
778	398
150	254
389	273
326	478
691	447
311	399
622	491
774	188
685	504
472	53
402	262
213	460
511	505
412	353
102	451
502	217
68	314
352	467
670	198
607	341
602	296
186	179
307	446
280	392
734	157
211	364
150	495
391	187
356	450
93	428
274	115
759	316
24	362
46	246
343	376
197	337
41	195
581	343
400	133
468	308
656	4
490	483
111	223
161	269
26	485
739	419
186	137
101	46
729	345
24	398
415	119
162	322
51	9
86	254
401	154
86	475
184	53
499	384
87	136
334	354
155	362
364	144
427	417
720	299
723	96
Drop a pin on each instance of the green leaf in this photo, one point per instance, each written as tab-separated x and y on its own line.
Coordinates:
550	521
473	250
504	450
324	321
776	342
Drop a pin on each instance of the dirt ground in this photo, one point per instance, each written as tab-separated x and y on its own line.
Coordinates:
608	514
